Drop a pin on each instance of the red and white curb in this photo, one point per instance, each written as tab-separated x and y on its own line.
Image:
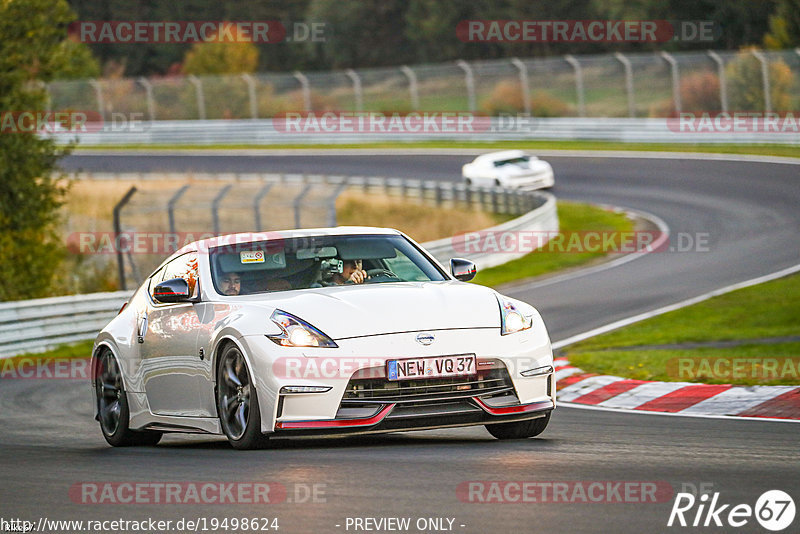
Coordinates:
680	398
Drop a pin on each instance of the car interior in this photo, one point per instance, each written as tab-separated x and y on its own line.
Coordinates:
300	268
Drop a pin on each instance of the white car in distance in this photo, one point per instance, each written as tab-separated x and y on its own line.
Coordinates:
511	169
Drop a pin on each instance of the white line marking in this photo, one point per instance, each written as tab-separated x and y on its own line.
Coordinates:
407	151
678	305
663	236
670	414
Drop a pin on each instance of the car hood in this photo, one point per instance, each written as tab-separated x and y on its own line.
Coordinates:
370	309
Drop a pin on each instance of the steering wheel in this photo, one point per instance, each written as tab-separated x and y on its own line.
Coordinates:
381	275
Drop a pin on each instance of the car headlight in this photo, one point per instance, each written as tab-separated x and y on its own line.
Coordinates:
297	333
512	319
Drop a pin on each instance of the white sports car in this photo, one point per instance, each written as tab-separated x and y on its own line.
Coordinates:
511	169
323	331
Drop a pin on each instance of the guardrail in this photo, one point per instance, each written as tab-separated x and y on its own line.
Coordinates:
41	324
263	132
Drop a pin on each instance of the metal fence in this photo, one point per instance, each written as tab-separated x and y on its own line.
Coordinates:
608	85
203	205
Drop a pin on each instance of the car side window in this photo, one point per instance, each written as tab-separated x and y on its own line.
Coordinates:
184	266
154	280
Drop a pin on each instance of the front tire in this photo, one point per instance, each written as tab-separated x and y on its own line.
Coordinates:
519	430
112	406
237	402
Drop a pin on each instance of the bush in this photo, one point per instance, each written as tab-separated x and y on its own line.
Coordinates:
546	105
745	90
700	92
506	98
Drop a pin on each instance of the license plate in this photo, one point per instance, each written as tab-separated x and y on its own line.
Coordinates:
432	367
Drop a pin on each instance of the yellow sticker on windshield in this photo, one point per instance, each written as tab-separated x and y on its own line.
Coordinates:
251	256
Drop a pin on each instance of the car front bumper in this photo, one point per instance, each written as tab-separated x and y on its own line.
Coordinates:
394	417
360	399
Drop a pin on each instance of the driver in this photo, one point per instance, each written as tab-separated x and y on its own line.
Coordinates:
352	273
230	284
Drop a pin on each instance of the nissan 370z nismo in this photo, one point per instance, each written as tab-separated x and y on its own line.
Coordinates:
258	336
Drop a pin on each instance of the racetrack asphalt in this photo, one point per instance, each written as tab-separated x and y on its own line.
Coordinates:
748	212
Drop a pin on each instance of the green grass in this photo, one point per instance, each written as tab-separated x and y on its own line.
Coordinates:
697	365
767	310
573	217
82	349
760	150
25	365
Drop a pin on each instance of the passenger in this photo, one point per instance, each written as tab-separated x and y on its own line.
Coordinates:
352	273
230	284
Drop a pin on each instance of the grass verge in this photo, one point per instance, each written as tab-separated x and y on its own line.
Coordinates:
760	150
573	218
46	364
760	322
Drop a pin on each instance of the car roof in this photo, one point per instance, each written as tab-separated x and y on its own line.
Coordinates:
247	237
498	156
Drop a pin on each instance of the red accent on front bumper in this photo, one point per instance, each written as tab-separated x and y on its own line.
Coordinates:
337	423
521	408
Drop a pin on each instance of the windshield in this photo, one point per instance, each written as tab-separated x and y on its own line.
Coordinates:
519	160
318	261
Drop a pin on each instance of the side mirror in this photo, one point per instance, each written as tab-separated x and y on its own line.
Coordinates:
175	290
463	270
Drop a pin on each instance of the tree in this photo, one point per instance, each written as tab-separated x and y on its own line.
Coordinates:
784	26
217	57
745	86
33	50
365	33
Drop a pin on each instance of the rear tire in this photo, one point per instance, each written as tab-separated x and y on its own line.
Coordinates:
112	406
519	430
237	402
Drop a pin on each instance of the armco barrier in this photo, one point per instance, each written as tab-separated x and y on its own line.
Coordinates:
41	324
263	132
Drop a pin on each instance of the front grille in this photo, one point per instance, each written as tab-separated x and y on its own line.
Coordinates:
485	382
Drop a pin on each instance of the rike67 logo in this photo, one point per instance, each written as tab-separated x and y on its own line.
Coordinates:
774	510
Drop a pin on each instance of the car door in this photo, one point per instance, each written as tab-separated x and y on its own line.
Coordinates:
172	370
